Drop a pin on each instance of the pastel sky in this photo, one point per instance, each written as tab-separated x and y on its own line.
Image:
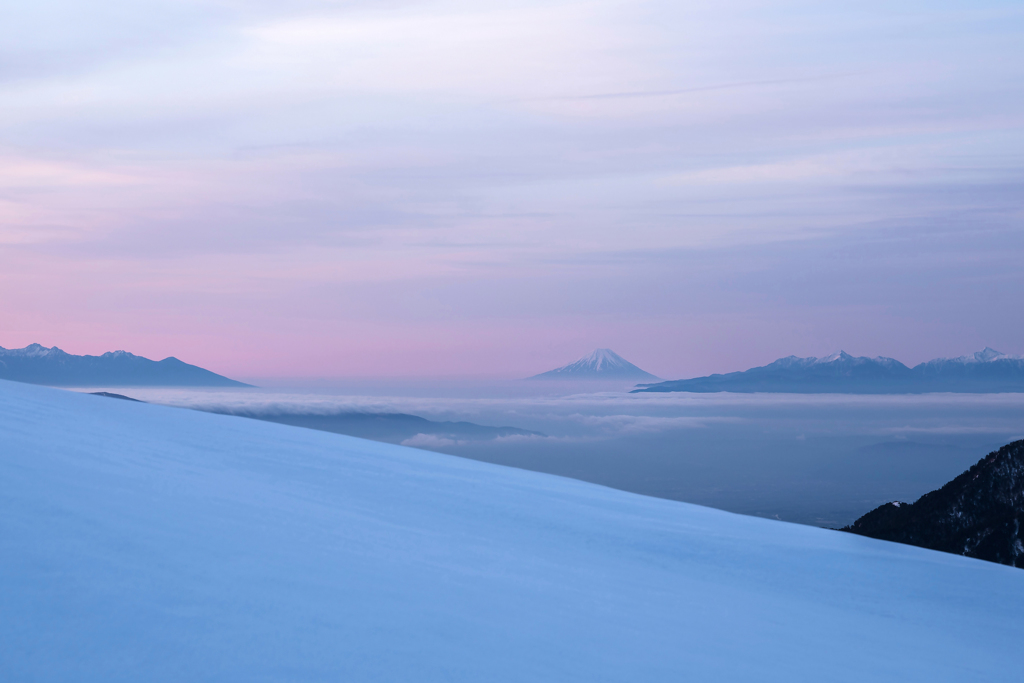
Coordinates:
450	188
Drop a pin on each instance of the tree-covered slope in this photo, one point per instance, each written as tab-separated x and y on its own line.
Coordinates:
978	514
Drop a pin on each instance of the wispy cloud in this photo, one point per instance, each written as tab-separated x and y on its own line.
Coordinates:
646	423
696	89
424	188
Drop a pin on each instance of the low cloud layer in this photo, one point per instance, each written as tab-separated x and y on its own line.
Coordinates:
610	415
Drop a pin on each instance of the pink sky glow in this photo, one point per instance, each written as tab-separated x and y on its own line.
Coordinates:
438	189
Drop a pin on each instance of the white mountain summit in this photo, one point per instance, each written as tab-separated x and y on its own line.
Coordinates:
601	364
986	355
36	364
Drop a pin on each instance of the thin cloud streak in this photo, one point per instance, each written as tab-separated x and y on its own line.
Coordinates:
409	190
687	91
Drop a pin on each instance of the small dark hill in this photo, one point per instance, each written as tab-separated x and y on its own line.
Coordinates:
107	394
978	514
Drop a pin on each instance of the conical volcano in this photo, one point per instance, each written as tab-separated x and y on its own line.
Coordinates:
601	364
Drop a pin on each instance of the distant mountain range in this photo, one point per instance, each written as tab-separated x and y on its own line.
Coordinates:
601	364
987	371
36	364
979	514
396	428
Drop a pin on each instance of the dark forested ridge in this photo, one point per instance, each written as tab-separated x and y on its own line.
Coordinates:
978	514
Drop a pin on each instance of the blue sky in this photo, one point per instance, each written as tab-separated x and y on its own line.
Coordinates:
467	188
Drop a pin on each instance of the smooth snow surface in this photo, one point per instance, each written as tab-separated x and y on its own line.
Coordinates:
145	543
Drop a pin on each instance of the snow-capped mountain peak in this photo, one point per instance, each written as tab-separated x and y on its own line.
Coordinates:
832	358
844	357
601	364
118	354
37	364
986	355
987	371
602	359
31	351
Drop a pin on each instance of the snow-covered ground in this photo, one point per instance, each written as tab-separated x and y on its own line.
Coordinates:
811	458
147	543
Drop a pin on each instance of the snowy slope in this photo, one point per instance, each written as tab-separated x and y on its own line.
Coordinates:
145	543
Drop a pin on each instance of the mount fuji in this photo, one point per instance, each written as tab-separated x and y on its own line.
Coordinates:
601	364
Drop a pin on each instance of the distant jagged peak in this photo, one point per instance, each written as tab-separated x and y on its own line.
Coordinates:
118	354
32	351
37	364
987	371
40	351
601	363
843	356
832	358
986	355
839	357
